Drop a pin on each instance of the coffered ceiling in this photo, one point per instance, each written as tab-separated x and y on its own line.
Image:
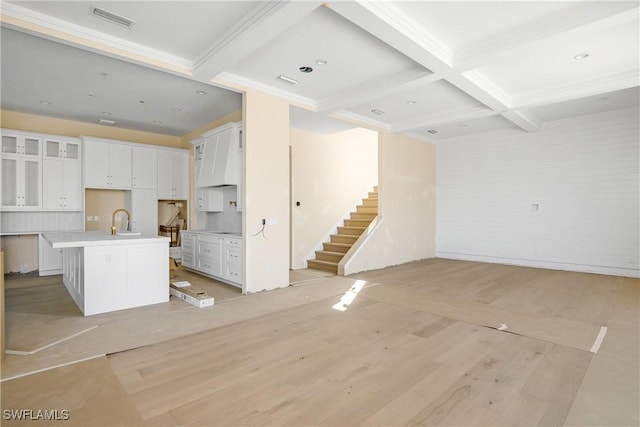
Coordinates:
429	69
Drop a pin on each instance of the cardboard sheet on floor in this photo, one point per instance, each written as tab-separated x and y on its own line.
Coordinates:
29	332
556	330
88	391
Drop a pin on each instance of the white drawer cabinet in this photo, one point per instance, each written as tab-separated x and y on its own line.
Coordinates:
213	255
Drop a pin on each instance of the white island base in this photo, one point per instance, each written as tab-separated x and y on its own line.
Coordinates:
106	273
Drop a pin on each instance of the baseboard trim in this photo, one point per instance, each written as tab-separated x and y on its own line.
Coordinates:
581	268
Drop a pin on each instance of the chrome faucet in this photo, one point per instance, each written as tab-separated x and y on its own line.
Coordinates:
113	219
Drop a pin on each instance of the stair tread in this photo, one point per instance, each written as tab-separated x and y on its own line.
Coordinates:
329	253
317	261
346	245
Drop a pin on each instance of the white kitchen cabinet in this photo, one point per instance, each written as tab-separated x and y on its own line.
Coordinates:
212	254
49	259
107	164
173	178
143	207
61	174
144	167
209	199
232	260
21	171
188	249
61	184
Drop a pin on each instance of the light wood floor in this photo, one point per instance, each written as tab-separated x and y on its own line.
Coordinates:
418	344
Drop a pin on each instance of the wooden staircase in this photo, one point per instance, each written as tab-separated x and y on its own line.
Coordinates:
332	252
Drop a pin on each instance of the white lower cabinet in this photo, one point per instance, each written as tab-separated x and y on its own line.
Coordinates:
214	255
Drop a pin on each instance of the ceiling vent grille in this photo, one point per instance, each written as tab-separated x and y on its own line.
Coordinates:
111	17
107	122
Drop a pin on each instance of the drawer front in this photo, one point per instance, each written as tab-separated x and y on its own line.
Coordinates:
233	275
210	251
209	266
235	243
209	238
187	260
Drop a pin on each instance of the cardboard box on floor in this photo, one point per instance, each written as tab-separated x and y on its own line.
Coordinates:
173	266
188	293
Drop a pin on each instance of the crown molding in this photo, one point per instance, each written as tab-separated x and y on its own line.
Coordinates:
265	21
29	21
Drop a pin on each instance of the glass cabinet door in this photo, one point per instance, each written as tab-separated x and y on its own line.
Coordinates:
31	147
9	144
72	150
32	183
9	182
52	148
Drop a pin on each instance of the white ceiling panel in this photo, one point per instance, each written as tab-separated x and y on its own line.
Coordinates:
353	56
592	104
424	101
550	62
181	28
35	70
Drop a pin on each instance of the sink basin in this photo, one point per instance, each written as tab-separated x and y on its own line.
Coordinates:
128	233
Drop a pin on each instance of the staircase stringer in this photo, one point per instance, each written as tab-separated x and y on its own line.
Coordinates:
357	246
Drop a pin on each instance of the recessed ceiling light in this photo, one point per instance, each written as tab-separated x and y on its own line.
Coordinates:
321	62
411	102
90	95
105	75
141	101
157	122
106	113
432	131
201	92
106	122
287	79
378	112
176	110
604	98
462	125
305	69
45	102
581	56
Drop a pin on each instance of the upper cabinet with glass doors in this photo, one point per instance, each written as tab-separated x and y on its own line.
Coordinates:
21	171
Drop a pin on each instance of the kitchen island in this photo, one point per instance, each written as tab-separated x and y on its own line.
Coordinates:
105	272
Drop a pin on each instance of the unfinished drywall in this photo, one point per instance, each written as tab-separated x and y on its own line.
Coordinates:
407	186
330	175
564	197
265	192
20	253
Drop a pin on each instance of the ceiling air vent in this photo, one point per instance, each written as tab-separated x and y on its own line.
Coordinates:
111	17
107	122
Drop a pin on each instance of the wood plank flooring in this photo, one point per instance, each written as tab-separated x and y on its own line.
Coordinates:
417	345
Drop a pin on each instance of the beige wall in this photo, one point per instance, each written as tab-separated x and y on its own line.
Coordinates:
102	203
266	191
330	174
407	196
20	253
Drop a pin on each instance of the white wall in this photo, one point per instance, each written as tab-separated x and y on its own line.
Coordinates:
582	172
407	196
330	175
265	192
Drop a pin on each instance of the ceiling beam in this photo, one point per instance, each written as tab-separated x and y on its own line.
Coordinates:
389	24
267	20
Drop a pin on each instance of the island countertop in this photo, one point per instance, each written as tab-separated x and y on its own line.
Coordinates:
78	239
